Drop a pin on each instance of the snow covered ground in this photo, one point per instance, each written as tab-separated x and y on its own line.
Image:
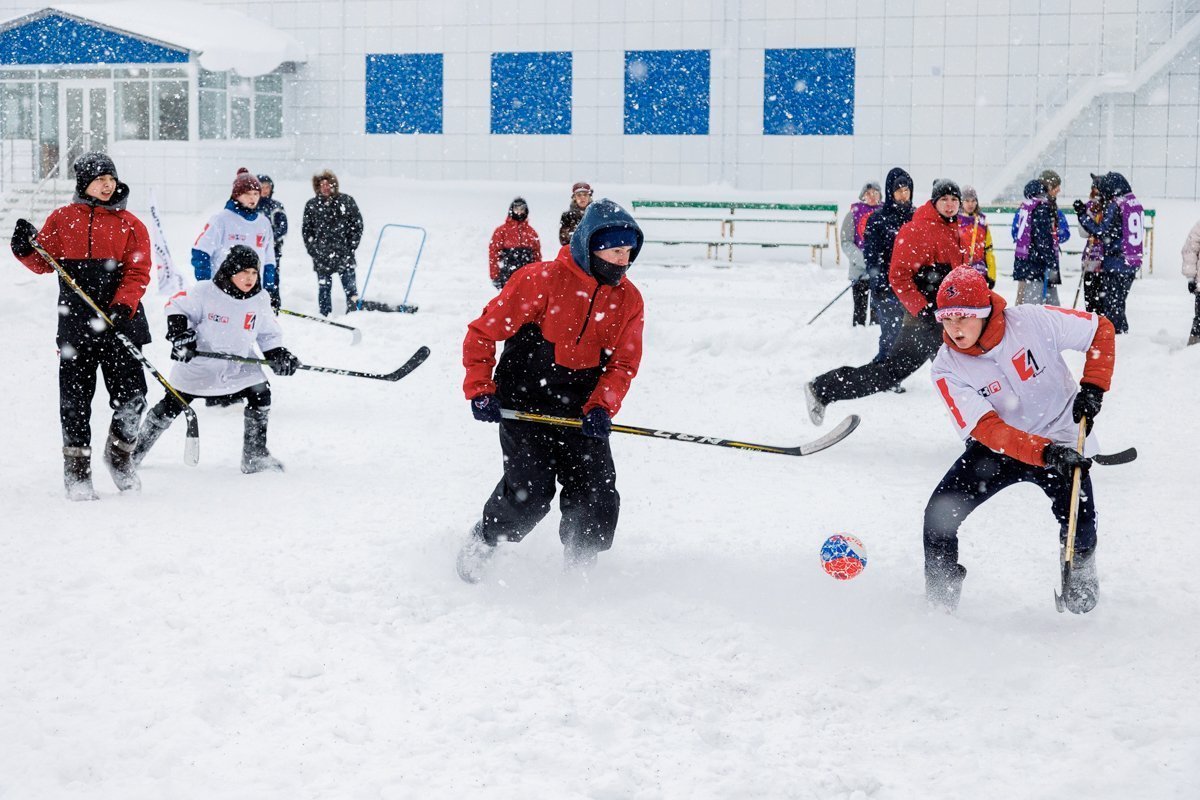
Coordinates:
304	634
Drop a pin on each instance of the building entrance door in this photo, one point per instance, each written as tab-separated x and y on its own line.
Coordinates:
84	120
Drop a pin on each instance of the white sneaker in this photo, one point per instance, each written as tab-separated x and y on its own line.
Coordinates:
816	409
474	556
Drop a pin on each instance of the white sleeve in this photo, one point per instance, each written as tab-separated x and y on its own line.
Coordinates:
188	304
963	403
1070	328
270	334
1191	252
210	238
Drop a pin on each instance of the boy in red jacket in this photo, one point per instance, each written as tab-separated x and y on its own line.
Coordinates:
572	333
514	244
106	250
1012	398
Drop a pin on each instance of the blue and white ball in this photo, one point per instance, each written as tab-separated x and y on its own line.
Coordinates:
843	556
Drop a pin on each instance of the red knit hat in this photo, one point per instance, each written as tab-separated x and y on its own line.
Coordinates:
964	293
581	187
245	182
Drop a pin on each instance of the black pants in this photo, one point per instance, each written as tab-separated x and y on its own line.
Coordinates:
1091	292
1114	291
123	378
534	457
918	342
861	292
1196	318
977	475
256	396
325	288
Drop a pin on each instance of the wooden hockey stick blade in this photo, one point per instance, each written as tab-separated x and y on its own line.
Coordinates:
1112	459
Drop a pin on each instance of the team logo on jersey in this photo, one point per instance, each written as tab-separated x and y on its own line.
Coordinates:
218	318
251	319
1026	364
260	241
989	390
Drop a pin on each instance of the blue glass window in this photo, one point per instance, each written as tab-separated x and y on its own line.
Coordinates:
404	93
58	40
809	92
531	93
666	91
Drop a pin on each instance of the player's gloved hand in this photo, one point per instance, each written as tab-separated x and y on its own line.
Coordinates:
1064	460
1080	207
1192	287
281	361
498	283
122	319
597	423
991	284
22	239
183	345
1087	403
486	408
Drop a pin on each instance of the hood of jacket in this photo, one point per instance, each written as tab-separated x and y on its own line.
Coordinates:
601	215
1034	188
325	175
1118	185
118	201
896	178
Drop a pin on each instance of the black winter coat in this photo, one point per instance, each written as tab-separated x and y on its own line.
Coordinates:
882	227
332	229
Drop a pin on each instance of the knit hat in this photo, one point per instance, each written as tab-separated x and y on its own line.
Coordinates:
1050	179
239	258
90	166
943	187
265	179
868	186
963	293
609	238
244	182
969	193
518	203
581	187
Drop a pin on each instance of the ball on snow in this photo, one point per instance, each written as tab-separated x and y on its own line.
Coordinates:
843	556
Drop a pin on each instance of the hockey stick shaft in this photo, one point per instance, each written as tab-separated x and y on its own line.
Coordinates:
357	333
833	437
1073	518
831	302
192	446
415	361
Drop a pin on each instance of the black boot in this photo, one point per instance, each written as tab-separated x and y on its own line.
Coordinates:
122	439
255	457
77	473
474	556
1083	584
943	585
152	428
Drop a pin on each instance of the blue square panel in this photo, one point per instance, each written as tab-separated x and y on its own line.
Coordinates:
809	92
404	93
666	92
531	93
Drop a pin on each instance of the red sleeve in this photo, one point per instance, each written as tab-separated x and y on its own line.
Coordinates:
48	238
622	366
537	246
521	300
906	259
1101	356
135	266
494	255
997	435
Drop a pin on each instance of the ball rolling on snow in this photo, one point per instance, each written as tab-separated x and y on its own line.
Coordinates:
843	556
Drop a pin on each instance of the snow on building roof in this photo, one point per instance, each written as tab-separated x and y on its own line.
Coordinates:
220	39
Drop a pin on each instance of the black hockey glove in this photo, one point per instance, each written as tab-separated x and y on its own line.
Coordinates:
1080	207
122	319
597	424
281	361
1064	460
1192	287
183	345
22	239
1087	403
486	408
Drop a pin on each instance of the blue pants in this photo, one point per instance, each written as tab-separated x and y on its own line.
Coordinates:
977	475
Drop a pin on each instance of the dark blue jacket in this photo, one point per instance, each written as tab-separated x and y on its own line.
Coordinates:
1042	263
1110	228
882	227
273	210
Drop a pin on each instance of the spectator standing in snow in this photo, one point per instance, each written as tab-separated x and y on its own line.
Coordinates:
1191	271
572	333
581	196
273	210
228	314
977	237
239	222
514	244
1014	401
927	248
1121	230
879	237
1093	251
333	227
854	227
106	250
1035	262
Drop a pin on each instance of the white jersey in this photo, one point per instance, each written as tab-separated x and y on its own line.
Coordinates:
227	228
1024	379
223	324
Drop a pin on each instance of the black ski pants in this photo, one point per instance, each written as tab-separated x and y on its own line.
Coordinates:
325	288
1196	318
980	473
1091	292
534	457
1114	291
861	292
917	342
123	378
256	396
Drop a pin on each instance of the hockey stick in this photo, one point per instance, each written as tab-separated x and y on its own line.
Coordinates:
374	305
844	429
191	449
355	332
415	361
1068	554
1113	459
831	302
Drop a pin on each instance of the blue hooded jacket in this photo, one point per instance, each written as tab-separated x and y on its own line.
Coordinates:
882	226
601	215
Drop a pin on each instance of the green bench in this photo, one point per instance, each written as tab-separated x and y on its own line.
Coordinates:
743	224
1000	222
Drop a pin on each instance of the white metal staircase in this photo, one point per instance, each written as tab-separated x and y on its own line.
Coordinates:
32	201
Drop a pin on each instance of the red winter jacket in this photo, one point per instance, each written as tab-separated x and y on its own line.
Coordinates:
927	248
514	244
107	251
571	344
